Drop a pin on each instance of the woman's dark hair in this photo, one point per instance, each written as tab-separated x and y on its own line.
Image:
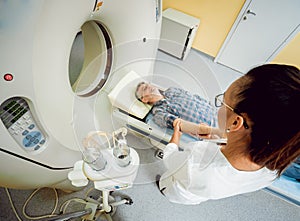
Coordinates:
270	96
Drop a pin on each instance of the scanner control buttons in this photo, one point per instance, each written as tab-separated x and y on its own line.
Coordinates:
16	115
32	139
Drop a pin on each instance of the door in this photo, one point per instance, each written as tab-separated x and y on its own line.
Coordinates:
262	28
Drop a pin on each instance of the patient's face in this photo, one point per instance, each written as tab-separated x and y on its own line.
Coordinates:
148	93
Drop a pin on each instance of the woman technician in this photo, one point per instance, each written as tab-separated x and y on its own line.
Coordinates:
259	115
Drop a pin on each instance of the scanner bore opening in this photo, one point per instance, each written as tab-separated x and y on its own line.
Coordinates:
90	59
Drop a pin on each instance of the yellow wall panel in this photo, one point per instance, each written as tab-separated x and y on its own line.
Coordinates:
216	18
290	54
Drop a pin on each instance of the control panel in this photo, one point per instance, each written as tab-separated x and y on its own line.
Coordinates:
18	119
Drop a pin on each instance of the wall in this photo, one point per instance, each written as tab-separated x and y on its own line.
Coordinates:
216	18
290	54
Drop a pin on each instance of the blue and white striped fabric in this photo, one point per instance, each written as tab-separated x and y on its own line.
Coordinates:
179	103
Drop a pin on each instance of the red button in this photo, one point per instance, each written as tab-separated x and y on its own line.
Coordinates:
8	77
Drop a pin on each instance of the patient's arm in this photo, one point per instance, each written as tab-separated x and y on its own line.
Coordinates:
163	118
200	130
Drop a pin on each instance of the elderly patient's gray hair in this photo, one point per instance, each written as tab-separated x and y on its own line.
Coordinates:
136	90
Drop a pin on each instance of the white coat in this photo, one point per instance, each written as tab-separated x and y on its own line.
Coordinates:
201	172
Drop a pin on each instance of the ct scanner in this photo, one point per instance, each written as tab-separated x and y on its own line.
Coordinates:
44	116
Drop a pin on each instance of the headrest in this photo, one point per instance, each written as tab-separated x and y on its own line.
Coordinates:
123	96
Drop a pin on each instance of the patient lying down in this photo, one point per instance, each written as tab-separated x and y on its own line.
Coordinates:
176	104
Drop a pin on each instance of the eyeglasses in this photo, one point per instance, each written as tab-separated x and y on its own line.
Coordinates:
219	101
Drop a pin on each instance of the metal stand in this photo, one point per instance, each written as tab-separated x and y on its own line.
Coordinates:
112	178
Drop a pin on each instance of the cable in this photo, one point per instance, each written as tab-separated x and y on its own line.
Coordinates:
89	191
43	216
64	206
12	205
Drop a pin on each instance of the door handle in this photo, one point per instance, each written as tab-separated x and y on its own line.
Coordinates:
249	12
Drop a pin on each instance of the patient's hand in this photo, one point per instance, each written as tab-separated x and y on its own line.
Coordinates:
177	122
176	133
177	125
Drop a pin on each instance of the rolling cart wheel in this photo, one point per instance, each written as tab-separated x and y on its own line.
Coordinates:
129	201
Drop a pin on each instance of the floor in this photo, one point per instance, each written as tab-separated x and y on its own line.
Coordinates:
148	203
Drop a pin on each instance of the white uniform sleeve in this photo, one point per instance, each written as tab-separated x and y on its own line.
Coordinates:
182	167
169	149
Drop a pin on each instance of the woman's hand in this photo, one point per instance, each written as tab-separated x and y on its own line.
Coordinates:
176	133
177	125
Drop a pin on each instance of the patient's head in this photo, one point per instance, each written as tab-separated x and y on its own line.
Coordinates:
148	93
